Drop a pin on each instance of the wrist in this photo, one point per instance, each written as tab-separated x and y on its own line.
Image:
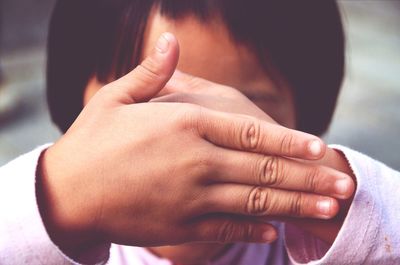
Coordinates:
63	217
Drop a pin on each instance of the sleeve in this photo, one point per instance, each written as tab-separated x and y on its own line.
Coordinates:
23	236
370	233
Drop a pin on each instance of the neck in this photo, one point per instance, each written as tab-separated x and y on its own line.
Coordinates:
191	254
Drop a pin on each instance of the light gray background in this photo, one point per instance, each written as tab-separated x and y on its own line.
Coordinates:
367	116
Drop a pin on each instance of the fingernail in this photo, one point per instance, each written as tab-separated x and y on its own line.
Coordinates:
162	44
269	236
342	186
324	207
315	147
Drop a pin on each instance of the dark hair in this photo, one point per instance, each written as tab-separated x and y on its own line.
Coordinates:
304	40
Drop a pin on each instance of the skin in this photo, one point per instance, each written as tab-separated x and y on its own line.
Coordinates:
96	184
214	56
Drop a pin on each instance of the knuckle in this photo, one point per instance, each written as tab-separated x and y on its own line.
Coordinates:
194	83
196	120
270	171
250	135
202	160
189	116
182	98
226	232
199	120
149	70
247	233
105	91
296	204
197	84
286	144
311	180
258	202
103	96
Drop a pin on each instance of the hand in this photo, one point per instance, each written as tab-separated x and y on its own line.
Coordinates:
186	88
154	173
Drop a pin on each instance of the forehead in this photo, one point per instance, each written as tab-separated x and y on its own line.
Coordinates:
208	51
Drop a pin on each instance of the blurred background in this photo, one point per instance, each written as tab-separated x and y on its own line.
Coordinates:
367	118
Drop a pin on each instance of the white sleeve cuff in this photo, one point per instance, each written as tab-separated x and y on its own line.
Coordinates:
23	236
358	234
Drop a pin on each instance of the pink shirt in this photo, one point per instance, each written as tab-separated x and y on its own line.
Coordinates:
369	235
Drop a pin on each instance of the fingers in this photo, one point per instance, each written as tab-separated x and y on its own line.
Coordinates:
229	229
246	133
260	201
280	172
185	83
147	79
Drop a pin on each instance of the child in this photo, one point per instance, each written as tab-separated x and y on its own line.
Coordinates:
287	58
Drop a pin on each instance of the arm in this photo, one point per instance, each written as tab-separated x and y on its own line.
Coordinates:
121	158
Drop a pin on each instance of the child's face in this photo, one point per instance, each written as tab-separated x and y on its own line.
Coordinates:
207	51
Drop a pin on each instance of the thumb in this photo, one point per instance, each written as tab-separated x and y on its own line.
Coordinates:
147	79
